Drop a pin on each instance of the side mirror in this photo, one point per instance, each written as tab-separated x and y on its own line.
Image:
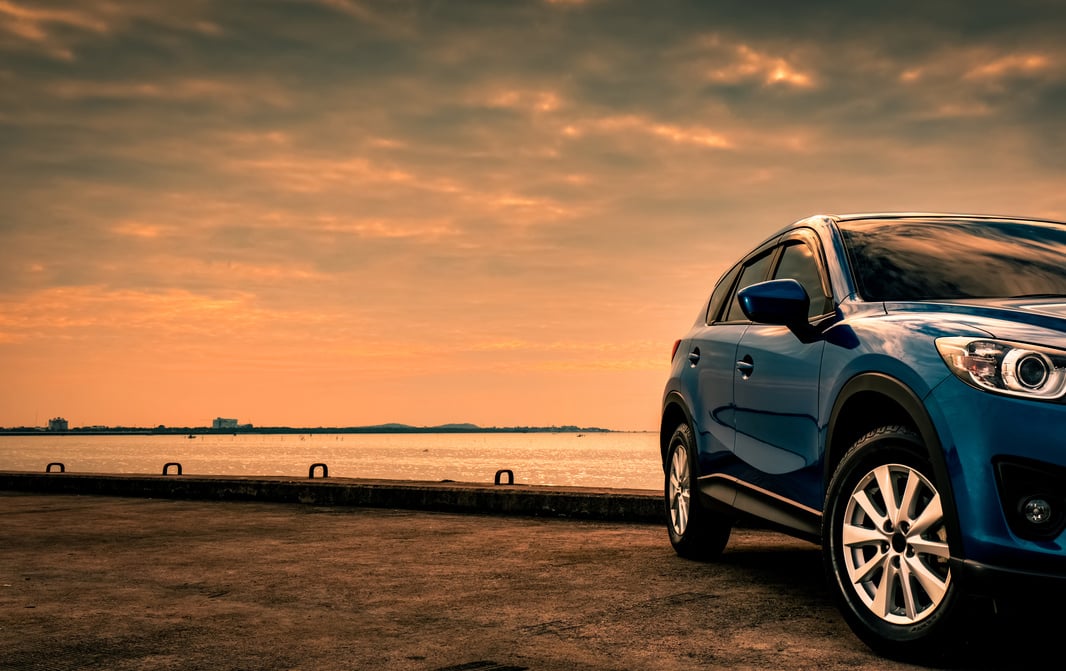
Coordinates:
783	302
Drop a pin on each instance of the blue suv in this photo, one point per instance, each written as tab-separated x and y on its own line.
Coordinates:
893	387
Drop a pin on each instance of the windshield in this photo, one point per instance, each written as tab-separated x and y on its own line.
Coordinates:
924	259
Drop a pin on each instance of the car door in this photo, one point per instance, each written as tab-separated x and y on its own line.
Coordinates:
775	388
712	353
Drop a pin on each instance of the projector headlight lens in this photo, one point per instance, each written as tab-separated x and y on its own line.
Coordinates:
1016	369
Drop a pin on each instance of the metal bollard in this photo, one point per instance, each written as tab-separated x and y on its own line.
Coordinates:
499	476
311	471
166	467
62	468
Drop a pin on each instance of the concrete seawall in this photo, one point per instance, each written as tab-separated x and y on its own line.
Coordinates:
619	505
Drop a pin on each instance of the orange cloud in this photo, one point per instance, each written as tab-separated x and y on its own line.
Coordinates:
770	70
138	229
685	135
58	31
537	101
1009	64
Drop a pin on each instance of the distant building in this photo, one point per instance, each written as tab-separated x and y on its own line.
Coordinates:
58	424
223	423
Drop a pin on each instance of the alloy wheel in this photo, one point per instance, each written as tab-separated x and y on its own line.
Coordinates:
679	493
895	544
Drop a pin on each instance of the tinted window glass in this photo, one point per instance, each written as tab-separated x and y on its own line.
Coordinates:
798	263
753	273
914	260
721	292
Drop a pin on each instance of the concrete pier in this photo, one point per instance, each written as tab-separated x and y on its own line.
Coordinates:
618	505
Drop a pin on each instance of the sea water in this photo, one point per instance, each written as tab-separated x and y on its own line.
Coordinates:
613	460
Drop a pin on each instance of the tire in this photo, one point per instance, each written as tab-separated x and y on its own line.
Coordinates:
696	532
887	559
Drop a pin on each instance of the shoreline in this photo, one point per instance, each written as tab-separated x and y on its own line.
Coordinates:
284	430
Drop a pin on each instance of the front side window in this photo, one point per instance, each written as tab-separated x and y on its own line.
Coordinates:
798	263
753	273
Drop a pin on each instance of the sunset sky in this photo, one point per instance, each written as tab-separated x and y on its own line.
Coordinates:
346	212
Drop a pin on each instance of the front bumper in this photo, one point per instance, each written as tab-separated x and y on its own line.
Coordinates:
979	430
995	581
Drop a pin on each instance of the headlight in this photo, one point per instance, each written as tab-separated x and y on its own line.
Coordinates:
1006	367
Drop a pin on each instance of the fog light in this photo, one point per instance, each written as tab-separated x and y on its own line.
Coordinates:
1036	510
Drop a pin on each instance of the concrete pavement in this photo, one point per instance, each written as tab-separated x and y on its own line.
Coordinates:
94	582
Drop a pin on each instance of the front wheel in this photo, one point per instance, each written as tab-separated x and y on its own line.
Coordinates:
886	546
695	531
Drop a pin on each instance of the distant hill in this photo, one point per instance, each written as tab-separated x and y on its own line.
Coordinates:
390	427
461	427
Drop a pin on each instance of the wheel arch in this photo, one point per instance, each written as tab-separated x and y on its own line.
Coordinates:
675	412
869	401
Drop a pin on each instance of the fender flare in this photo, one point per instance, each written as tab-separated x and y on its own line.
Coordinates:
912	404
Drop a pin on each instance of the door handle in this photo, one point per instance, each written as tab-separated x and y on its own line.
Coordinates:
694	356
746	366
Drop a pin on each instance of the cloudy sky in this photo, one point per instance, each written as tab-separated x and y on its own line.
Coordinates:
342	212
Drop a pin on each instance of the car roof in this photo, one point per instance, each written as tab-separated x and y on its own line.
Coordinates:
933	216
827	221
823	221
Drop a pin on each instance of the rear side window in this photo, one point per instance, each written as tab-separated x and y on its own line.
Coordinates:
721	292
753	273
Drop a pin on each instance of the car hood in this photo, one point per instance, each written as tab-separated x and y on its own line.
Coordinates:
1027	319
